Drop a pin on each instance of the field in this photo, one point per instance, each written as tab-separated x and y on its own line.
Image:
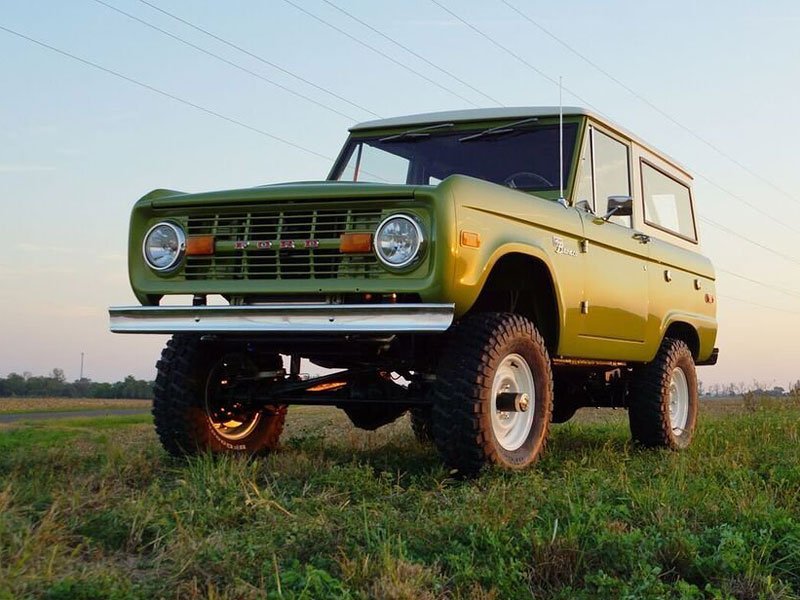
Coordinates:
31	405
93	508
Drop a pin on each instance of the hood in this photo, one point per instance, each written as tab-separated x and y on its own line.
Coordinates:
283	192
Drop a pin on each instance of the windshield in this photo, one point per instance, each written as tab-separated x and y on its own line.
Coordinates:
524	157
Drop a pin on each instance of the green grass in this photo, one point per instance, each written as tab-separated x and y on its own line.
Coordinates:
93	508
18	405
71	409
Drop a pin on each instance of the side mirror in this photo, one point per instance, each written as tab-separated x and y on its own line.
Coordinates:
619	206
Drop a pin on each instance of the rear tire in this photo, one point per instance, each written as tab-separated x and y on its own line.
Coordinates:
664	402
189	410
489	355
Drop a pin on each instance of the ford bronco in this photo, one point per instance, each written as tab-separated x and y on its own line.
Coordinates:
486	271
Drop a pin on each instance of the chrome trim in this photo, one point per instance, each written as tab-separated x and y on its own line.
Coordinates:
288	318
179	233
417	253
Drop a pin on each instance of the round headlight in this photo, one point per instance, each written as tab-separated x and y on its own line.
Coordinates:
398	240
164	246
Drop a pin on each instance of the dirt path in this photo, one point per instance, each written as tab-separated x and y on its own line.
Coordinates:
102	412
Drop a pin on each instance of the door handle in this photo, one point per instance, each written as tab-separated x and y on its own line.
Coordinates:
642	237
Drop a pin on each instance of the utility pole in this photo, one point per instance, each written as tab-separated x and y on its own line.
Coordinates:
81	379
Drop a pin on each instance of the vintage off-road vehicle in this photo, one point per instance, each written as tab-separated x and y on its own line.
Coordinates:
444	272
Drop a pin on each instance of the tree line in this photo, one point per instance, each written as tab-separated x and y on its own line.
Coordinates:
55	385
739	389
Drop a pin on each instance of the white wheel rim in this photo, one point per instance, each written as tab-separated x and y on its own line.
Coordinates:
678	401
511	428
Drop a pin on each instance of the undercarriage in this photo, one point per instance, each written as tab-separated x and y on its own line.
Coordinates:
483	393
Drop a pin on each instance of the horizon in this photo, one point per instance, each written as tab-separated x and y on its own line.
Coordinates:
715	390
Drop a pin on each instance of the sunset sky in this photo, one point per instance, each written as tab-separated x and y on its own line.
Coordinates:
716	84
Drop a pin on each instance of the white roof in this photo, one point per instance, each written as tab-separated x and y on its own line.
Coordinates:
474	114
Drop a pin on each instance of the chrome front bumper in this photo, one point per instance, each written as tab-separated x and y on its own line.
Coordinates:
283	318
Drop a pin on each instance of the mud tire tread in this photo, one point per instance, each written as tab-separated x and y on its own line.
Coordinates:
649	404
178	396
460	394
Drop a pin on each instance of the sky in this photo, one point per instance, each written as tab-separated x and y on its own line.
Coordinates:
715	86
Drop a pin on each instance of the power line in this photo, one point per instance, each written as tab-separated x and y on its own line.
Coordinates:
755	207
317	154
554	81
380	52
510	52
730	231
636	94
785	291
224	60
412	52
102	2
164	94
258	58
750	302
668	117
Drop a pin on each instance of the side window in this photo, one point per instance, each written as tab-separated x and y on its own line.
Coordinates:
603	172
611	173
667	203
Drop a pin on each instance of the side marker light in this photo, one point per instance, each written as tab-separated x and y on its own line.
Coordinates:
470	239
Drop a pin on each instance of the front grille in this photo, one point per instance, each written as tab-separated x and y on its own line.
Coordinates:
285	244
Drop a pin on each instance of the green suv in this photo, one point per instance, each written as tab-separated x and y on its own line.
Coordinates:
487	271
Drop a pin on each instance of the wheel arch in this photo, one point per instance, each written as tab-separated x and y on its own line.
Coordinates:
681	330
522	283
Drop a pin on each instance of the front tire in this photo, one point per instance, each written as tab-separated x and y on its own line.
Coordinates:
490	358
664	402
194	408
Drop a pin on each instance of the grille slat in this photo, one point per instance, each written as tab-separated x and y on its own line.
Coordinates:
258	225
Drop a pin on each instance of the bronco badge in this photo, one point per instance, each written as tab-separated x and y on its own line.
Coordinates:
558	244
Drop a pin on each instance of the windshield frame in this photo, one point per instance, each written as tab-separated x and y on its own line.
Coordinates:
468	128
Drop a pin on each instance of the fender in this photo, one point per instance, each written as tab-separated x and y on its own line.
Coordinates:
468	285
704	327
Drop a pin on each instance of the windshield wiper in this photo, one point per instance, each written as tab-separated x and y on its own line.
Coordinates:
420	132
498	130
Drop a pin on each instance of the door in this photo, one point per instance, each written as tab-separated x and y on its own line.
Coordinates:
615	303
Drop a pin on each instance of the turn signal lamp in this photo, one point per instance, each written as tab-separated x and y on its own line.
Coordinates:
355	243
200	245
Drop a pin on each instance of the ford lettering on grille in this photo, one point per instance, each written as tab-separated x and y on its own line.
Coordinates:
264	243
